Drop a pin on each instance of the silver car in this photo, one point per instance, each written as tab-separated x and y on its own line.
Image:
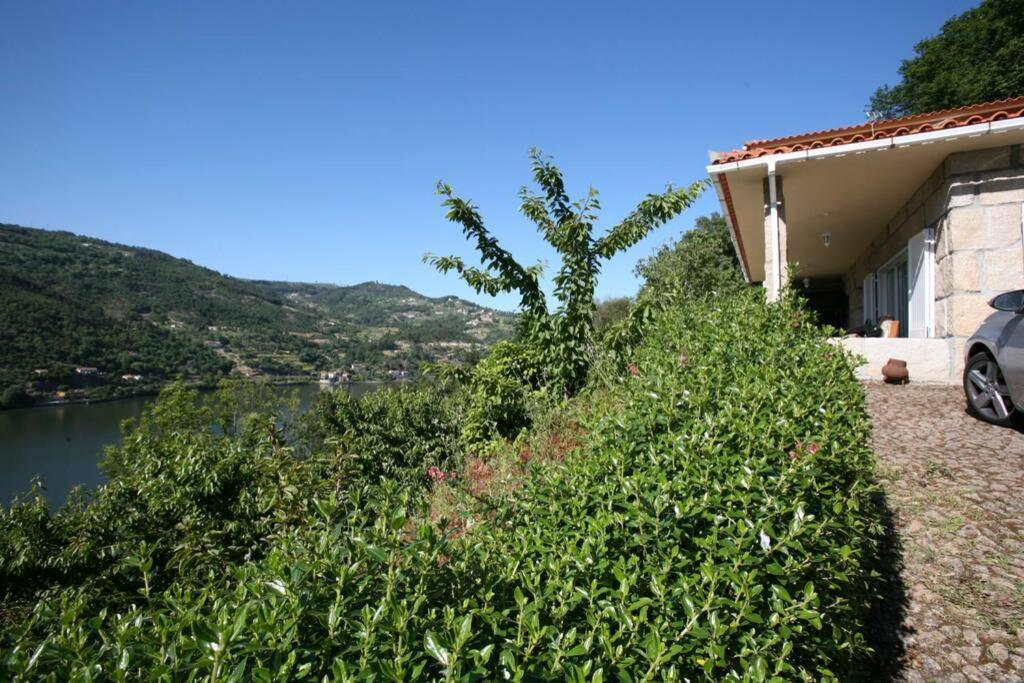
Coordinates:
994	368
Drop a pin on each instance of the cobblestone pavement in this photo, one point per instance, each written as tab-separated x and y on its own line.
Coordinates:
955	486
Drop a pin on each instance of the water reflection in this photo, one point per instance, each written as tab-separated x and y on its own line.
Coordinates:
63	444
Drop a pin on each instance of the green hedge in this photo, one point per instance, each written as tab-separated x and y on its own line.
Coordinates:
394	433
718	522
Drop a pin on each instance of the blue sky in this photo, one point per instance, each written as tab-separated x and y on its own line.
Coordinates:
303	141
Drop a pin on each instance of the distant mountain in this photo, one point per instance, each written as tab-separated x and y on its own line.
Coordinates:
71	304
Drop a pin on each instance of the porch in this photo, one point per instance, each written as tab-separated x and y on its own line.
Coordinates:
914	222
931	361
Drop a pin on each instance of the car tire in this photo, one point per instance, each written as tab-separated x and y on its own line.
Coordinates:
987	394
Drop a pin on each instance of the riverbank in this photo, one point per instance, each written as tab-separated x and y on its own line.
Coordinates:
64	444
150	391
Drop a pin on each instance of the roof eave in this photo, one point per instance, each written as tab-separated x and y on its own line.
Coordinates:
719	172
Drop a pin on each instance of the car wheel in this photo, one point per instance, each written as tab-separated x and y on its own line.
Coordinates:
987	394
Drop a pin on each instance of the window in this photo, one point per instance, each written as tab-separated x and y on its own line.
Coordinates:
921	284
903	289
870	296
892	299
1010	301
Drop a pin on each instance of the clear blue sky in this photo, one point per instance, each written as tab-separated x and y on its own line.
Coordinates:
302	141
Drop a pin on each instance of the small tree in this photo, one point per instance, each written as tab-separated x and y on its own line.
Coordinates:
562	336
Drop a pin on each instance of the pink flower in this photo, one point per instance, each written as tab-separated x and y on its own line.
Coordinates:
435	473
633	369
800	448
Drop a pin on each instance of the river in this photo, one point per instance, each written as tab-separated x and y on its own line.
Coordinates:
63	444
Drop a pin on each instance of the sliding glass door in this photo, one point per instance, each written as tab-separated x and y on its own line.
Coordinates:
903	288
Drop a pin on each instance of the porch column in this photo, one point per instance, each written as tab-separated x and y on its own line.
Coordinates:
776	258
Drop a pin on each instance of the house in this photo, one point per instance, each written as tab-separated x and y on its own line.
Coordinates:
918	219
86	371
334	377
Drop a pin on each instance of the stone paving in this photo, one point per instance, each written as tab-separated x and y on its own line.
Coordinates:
955	486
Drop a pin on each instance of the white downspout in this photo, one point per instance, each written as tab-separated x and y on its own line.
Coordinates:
773	208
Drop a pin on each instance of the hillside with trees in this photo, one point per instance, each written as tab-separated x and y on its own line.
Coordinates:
80	317
654	502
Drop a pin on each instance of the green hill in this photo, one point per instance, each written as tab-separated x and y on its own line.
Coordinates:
70	302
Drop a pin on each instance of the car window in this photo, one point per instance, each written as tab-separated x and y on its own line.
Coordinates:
1010	301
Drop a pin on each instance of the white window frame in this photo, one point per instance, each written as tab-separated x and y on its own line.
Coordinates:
923	290
881	277
870	299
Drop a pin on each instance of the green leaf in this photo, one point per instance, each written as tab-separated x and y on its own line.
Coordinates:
436	650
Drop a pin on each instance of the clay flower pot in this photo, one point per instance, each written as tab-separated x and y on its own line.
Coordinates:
895	371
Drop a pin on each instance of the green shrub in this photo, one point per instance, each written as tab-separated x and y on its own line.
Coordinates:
702	261
392	433
188	500
716	521
721	521
503	390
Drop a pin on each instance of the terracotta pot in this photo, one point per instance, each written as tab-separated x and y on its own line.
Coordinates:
895	371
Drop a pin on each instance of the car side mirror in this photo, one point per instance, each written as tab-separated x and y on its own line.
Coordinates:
1012	302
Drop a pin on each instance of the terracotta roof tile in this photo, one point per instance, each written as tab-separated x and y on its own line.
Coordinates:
986	112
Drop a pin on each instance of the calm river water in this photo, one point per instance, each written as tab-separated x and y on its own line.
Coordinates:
64	444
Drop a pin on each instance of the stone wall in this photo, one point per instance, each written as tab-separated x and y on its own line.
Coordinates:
979	252
975	201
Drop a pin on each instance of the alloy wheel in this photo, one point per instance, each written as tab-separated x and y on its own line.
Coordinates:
987	391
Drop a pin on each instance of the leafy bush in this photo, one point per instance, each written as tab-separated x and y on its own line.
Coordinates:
504	388
721	522
187	500
393	433
610	311
715	520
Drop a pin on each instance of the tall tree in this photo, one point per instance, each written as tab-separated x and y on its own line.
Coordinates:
610	311
563	336
976	57
702	260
